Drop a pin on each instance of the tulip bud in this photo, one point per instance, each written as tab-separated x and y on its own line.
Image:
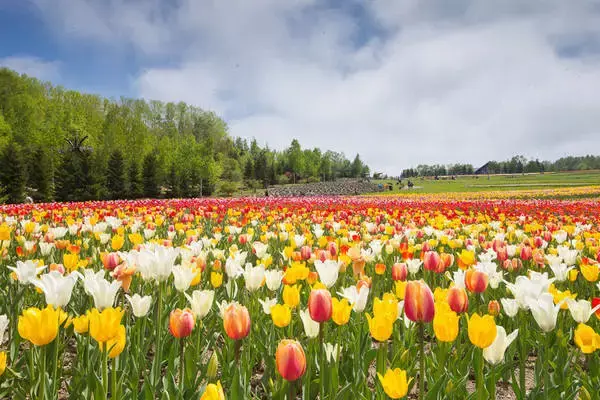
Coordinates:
476	281
236	321
458	300
290	360
399	271
181	323
320	305
494	308
418	302
213	367
305	252
110	261
526	253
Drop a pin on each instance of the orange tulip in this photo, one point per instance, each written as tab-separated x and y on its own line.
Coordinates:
379	268
476	281
399	271
494	308
181	323
418	302
458	300
320	305
110	260
236	321
290	360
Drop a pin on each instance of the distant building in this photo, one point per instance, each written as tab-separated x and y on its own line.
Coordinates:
484	169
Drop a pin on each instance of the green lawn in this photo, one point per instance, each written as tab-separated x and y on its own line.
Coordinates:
499	182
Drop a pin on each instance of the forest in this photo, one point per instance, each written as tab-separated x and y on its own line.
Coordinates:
515	165
64	145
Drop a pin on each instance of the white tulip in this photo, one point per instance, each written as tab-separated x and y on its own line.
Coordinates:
581	310
560	271
299	240
156	262
201	302
458	277
331	352
90	278
544	311
328	271
414	265
182	277
103	292
254	276
139	305
3	327
233	268
494	354
26	271
267	304
260	249
510	307
311	328
525	289
57	288
46	248
273	278
357	298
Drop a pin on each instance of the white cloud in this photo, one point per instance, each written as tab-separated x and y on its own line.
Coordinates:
33	66
431	81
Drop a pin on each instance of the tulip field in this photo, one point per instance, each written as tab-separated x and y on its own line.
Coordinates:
301	298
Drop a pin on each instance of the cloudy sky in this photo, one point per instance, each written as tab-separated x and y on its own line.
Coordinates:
402	82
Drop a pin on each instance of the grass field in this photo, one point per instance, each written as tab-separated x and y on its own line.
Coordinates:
485	183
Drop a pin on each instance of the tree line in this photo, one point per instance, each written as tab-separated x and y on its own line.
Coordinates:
59	144
515	165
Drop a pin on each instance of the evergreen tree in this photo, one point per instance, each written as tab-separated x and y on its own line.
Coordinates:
149	176
13	174
115	175
173	188
41	175
135	189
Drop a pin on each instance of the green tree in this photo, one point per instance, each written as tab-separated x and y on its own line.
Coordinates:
135	189
13	174
115	175
149	176
173	185
41	175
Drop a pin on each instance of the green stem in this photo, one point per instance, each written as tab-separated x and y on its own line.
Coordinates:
322	361
421	360
546	364
157	355
55	366
113	381
105	371
523	355
181	364
481	395
292	390
42	394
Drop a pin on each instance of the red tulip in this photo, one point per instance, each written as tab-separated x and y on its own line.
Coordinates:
596	302
476	281
290	360
418	302
526	253
431	261
458	300
399	271
320	305
305	252
181	323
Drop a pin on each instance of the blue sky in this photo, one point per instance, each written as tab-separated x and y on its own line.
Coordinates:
402	82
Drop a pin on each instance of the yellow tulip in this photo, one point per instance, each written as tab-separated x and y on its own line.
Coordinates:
4	232
445	325
291	295
116	345
341	311
482	330
71	261
573	275
40	327
400	289
589	272
586	339
104	326
2	362
136	239
281	315
81	324
213	392
394	383
117	242
216	279
381	327
387	305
